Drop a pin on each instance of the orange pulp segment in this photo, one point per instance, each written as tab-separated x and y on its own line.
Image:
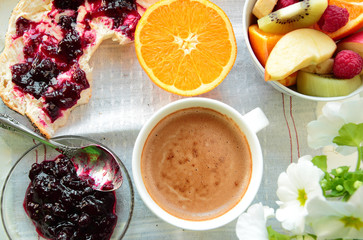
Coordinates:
355	9
262	43
186	47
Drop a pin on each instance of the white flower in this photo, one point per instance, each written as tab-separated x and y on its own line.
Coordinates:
296	187
251	225
336	219
321	132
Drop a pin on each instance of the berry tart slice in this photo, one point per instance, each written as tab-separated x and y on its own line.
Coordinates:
44	70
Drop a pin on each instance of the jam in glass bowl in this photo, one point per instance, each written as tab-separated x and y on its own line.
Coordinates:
65	202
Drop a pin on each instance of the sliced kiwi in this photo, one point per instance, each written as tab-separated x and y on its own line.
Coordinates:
325	85
298	15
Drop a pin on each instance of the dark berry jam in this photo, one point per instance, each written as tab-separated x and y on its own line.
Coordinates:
22	25
63	206
47	57
66	94
66	22
35	77
123	13
68	4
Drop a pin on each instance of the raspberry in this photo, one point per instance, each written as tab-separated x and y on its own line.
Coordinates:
284	3
333	18
347	64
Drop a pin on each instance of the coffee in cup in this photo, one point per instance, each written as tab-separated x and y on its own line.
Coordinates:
197	162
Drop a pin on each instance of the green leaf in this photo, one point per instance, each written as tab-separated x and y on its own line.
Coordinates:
340	171
335	191
313	236
352	179
357	175
360	157
350	134
326	185
342	183
349	186
320	162
273	235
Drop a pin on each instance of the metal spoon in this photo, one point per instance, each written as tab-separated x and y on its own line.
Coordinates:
92	161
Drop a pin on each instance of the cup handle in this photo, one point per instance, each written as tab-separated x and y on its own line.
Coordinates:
256	119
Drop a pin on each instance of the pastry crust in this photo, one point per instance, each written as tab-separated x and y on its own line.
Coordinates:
26	104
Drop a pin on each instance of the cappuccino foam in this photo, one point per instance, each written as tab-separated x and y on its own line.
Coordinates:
196	164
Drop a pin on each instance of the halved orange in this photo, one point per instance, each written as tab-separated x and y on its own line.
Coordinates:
186	47
355	9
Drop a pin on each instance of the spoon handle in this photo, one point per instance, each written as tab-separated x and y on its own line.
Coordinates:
11	124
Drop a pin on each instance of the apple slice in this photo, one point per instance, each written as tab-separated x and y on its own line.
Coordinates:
325	85
263	7
325	67
296	50
354	43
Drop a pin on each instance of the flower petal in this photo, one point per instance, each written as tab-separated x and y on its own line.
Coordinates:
349	111
251	225
292	217
356	201
327	217
300	178
322	131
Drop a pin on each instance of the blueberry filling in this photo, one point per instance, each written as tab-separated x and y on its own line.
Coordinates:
70	47
65	95
118	11
35	77
46	57
66	22
67	4
22	25
63	206
45	60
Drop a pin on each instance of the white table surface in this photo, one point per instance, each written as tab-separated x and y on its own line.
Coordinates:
124	98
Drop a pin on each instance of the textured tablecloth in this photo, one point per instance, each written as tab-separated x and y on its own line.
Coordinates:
124	98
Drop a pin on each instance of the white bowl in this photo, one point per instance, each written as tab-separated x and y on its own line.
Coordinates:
249	124
249	19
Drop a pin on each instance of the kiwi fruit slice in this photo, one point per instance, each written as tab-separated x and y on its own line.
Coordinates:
298	15
325	85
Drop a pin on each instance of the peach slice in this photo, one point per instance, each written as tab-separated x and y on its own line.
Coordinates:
296	50
263	7
353	42
289	80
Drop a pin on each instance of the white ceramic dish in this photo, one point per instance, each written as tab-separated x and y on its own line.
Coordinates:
248	19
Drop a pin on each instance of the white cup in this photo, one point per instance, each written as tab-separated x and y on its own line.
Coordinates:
249	124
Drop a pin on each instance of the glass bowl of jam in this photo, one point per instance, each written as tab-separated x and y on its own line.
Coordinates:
43	198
